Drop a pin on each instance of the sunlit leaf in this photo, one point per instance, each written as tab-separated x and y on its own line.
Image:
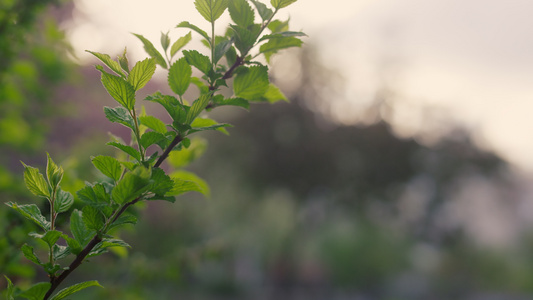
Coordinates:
198	60
111	64
179	76
31	212
152	51
186	24
141	73
35	182
197	107
251	83
54	173
180	43
211	9
281	3
119	115
165	41
119	89
109	166
188	182
127	149
241	13
275	44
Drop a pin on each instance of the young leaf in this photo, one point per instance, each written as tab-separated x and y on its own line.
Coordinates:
277	26
119	115
179	76
281	3
141	73
35	182
282	34
245	37
241	13
251	83
132	185
177	111
64	201
36	291
73	245
186	24
275	44
119	89
152	51
153	123
93	218
165	41
203	124
180	43
221	49
54	173
200	61
79	230
10	289
265	12
31	212
60	252
74	288
95	195
51	237
123	62
161	182
111	64
109	166
188	182
197	107
29	254
127	149
211	9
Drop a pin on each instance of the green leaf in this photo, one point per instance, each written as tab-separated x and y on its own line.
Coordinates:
119	115
73	245
79	230
180	43
275	44
245	37
132	185
151	137
281	3
197	107
123	61
165	41
127	149
203	124
265	12
211	9
119	89
10	289
29	254
109	166
51	237
241	13
221	49
93	218
183	157
161	182
94	195
186	24
234	101
74	288
35	182
141	73
124	219
63	202
198	60
111	64
153	123
188	182
152	51
54	173
60	252
107	243
251	83
277	26
171	105
36	291
179	76
31	212
282	34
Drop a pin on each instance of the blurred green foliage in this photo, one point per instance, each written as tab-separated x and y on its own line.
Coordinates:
33	65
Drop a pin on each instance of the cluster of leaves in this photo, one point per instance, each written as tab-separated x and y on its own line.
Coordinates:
135	174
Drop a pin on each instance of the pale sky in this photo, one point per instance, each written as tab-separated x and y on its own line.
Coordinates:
471	58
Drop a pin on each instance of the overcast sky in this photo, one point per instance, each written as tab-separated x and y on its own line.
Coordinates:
472	58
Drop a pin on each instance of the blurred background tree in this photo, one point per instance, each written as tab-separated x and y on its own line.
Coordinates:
33	66
303	206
